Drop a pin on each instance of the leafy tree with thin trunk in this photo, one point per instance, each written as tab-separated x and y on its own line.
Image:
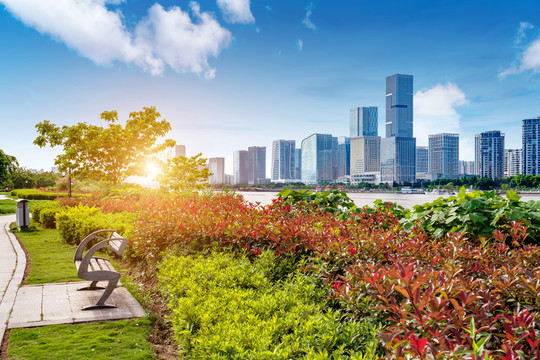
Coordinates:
111	153
183	174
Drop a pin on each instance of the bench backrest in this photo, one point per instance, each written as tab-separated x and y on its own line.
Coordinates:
108	239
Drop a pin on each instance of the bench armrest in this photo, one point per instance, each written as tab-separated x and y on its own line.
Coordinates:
105	236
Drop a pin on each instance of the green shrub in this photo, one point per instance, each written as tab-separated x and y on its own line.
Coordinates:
35	194
77	222
45	213
479	213
224	307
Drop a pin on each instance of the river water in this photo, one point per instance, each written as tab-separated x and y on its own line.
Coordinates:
366	198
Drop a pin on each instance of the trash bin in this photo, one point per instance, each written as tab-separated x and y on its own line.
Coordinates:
22	213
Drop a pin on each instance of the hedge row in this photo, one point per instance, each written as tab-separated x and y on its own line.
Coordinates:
36	194
45	213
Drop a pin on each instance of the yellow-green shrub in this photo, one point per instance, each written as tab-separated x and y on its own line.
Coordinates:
77	222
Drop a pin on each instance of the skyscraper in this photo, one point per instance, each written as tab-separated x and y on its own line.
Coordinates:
319	157
398	149
217	169
444	155
531	150
256	164
298	164
364	121
422	159
344	156
513	162
240	166
490	148
283	160
399	106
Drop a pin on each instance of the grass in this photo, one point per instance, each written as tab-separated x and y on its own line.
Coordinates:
124	339
52	261
7	207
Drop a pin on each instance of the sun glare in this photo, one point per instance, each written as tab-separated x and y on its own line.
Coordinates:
152	170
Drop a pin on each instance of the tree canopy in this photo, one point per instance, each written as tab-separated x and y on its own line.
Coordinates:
182	173
110	153
8	164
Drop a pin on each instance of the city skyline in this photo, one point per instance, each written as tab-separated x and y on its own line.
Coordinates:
475	66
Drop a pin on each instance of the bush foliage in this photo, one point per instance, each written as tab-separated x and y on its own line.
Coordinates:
75	223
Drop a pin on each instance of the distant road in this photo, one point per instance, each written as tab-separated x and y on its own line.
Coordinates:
362	199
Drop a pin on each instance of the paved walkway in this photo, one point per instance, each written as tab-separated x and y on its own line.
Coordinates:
12	264
60	303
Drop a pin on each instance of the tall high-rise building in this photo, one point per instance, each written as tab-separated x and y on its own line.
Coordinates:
319	158
513	162
399	106
398	149
365	154
531	146
256	165
298	164
240	167
444	155
398	160
364	121
344	156
283	160
216	166
490	148
477	155
422	160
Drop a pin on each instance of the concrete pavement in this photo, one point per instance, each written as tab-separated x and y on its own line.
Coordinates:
12	264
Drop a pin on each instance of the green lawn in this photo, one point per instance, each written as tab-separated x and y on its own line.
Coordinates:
52	261
124	339
7	207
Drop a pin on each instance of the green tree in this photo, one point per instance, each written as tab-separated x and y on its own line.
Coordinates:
8	164
112	153
183	174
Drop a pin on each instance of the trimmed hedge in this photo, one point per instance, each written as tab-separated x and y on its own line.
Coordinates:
77	222
34	194
45	213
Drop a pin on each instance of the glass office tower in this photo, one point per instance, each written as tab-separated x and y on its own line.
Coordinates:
319	158
531	150
344	156
444	155
398	149
283	160
364	121
240	167
256	164
490	148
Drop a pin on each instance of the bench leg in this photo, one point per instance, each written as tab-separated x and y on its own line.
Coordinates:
92	286
108	291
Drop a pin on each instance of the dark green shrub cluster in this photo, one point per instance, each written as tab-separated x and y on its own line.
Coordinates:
77	222
225	307
45	213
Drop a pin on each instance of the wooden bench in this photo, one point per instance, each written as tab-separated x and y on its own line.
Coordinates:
97	269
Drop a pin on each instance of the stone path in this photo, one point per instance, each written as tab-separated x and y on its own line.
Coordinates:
59	303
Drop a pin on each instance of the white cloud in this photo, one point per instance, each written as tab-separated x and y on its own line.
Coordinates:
529	58
435	111
163	37
236	11
300	44
520	35
307	20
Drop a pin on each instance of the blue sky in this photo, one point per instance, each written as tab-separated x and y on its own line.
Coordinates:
228	74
